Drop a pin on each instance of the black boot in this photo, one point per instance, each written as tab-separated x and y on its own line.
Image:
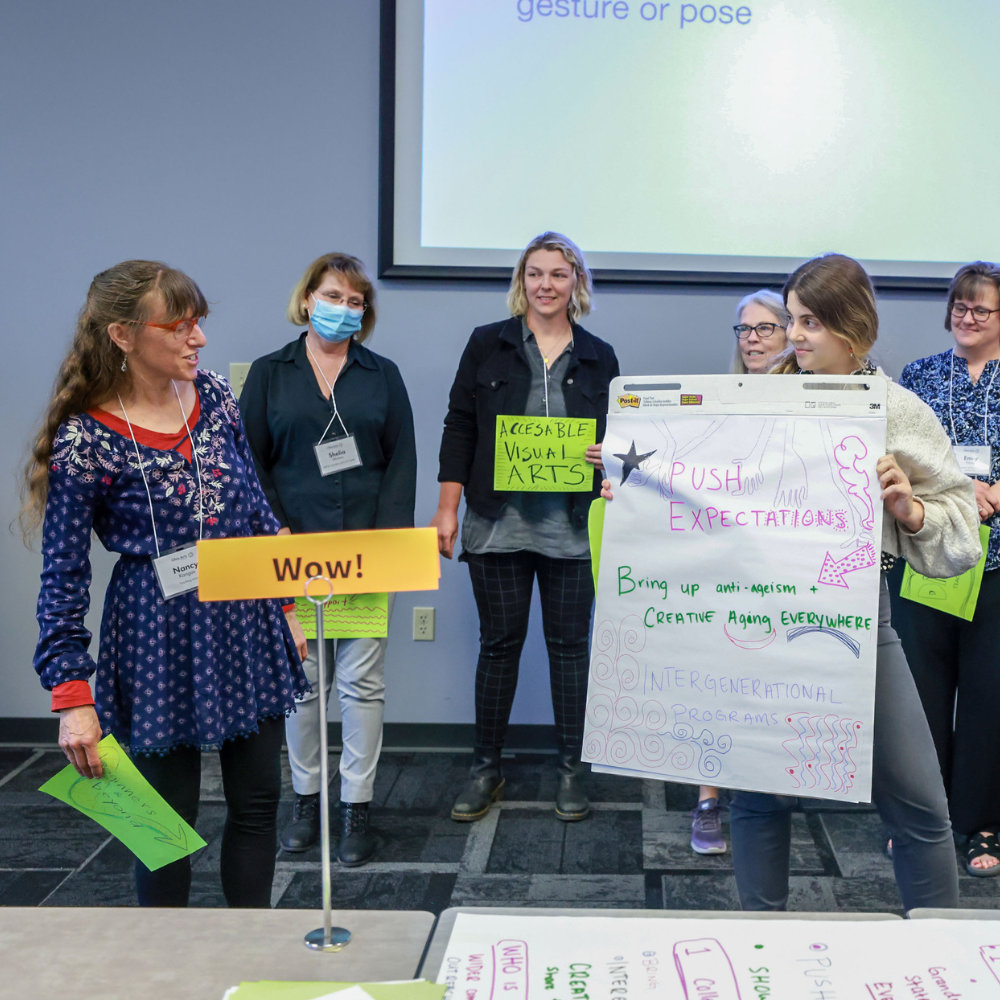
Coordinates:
357	842
571	796
484	788
303	831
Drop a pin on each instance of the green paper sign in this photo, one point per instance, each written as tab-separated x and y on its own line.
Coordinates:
128	807
346	616
955	596
544	454
418	989
595	527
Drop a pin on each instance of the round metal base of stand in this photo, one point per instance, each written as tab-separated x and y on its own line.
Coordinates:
316	939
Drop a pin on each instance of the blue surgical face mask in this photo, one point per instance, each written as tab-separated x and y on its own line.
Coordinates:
334	323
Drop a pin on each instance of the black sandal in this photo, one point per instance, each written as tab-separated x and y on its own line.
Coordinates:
982	845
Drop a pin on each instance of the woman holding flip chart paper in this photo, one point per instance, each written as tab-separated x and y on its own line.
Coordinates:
331	430
539	363
953	659
149	452
930	520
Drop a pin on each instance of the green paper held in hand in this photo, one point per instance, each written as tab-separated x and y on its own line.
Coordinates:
595	528
128	807
544	454
346	616
955	596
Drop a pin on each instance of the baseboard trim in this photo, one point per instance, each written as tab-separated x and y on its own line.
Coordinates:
398	736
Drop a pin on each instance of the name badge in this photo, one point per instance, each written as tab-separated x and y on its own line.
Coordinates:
337	455
177	571
973	459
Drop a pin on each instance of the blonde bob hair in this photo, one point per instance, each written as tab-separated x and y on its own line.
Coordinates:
580	302
838	292
353	273
773	303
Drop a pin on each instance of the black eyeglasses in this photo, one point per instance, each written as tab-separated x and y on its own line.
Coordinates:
763	330
980	313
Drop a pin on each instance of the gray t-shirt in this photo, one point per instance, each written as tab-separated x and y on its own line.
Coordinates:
532	522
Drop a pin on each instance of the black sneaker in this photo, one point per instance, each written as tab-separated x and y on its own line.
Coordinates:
357	842
303	831
706	828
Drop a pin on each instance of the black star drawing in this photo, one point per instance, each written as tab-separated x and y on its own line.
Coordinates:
632	461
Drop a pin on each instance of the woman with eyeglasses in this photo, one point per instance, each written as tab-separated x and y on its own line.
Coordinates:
953	660
331	430
761	319
928	519
146	450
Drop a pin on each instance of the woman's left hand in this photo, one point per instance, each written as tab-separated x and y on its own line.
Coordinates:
594	456
298	636
897	494
606	490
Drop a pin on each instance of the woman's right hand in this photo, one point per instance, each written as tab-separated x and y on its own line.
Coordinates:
606	489
987	499
446	522
79	734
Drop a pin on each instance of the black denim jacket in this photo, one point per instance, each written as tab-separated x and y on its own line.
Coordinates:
493	379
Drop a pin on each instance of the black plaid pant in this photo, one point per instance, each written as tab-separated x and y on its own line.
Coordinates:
502	582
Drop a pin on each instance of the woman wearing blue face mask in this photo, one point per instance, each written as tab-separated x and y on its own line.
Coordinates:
331	430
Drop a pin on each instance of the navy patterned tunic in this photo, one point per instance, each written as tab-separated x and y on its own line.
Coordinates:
169	673
931	379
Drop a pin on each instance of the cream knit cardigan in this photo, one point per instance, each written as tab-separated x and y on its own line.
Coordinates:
948	543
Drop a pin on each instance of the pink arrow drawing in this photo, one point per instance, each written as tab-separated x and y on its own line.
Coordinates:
832	573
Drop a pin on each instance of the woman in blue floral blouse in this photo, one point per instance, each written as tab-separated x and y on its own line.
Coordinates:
954	662
147	451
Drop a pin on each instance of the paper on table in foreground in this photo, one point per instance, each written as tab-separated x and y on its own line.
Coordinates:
417	989
128	807
513	957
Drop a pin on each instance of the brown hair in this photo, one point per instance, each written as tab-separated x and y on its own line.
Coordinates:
92	370
353	272
838	292
968	282
580	302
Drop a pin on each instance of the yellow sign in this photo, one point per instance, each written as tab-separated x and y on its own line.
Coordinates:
544	454
629	400
356	562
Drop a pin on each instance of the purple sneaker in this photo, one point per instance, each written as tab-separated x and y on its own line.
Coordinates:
706	828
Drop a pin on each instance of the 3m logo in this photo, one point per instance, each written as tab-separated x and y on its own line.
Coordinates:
688	399
629	400
874	406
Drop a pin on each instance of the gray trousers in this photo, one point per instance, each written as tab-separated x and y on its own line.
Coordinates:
907	790
358	665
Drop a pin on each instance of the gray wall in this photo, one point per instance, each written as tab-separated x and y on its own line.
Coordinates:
238	142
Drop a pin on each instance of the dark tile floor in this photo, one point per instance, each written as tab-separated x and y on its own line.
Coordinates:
633	851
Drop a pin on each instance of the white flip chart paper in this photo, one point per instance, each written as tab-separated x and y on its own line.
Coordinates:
586	958
737	603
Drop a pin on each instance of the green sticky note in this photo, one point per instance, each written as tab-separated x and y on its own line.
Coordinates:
128	807
544	454
346	616
595	527
955	596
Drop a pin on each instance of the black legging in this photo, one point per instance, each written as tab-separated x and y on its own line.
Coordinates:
251	780
502	583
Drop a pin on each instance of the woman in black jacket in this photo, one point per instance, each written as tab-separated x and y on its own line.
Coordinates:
539	362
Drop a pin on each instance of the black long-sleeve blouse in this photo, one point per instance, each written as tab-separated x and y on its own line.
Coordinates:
285	415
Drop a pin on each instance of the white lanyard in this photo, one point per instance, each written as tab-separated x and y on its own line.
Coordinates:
986	405
145	482
333	399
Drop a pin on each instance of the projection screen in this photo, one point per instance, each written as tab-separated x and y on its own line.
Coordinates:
693	142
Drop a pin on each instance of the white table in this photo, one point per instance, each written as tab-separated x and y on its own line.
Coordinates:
442	932
123	953
933	913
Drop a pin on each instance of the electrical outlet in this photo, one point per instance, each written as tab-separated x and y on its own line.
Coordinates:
238	371
423	624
